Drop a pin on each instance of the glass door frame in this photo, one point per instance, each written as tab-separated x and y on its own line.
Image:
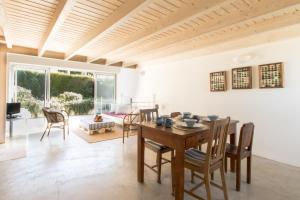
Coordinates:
13	83
96	88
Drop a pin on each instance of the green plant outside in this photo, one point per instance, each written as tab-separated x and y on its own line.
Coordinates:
73	93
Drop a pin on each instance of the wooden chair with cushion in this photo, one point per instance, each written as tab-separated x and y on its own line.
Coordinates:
130	122
56	119
243	150
147	115
213	159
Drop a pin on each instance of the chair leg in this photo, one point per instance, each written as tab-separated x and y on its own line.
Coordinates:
225	163
192	176
207	185
49	131
49	127
64	129
212	176
44	134
249	159
124	129
238	174
224	183
158	163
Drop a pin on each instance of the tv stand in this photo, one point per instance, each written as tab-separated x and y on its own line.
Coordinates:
12	116
11	119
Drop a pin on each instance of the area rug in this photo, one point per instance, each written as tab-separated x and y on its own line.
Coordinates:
99	137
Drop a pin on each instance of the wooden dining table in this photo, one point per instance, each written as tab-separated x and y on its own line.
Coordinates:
179	140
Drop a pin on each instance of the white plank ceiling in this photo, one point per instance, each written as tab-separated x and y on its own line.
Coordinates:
131	31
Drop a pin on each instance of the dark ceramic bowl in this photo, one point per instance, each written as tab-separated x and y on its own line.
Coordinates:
213	117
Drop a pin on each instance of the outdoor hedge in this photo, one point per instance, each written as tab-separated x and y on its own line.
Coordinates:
60	83
83	85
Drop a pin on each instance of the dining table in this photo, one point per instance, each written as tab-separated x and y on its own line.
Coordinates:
179	140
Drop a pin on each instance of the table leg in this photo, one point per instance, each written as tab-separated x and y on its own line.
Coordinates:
141	156
233	142
179	173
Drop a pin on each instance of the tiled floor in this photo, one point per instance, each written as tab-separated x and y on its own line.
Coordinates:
74	169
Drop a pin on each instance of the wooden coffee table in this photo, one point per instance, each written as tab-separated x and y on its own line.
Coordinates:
96	127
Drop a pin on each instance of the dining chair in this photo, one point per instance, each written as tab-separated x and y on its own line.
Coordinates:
147	115
175	114
130	122
205	163
56	119
240	152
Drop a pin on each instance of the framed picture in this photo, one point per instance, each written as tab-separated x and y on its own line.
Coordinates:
242	78
218	81
271	75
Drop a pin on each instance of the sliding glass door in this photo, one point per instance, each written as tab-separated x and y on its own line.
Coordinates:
105	92
30	90
80	93
72	92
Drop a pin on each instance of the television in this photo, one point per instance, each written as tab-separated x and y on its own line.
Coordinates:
13	108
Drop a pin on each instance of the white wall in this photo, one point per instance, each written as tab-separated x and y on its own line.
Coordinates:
127	80
181	83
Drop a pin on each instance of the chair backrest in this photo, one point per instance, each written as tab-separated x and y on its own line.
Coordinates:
217	140
246	137
175	114
52	116
147	115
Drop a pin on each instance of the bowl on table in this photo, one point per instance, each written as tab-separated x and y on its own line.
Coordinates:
160	121
190	122
186	115
196	117
213	117
168	123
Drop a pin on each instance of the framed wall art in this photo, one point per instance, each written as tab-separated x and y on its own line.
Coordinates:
242	78
271	75
218	81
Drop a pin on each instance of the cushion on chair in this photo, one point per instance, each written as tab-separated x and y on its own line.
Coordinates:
154	146
232	150
195	156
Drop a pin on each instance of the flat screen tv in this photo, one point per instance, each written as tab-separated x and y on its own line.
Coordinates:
13	108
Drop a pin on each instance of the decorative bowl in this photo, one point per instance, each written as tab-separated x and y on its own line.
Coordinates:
186	115
212	117
190	122
196	117
168	123
160	121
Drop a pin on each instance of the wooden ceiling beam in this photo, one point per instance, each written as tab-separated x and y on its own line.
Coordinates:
263	25
2	40
4	25
53	54
186	11
100	61
131	66
79	58
117	64
257	9
119	15
61	13
23	50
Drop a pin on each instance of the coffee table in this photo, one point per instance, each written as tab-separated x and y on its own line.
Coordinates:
96	127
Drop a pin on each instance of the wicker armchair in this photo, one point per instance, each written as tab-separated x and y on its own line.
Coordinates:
56	119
